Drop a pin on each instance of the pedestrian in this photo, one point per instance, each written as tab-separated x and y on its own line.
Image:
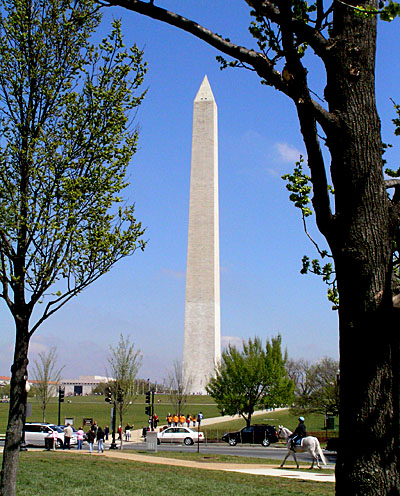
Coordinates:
194	417
120	432
106	432
188	419
199	418
68	433
127	432
90	436
100	440
182	419
176	420
169	420
80	435
54	436
155	420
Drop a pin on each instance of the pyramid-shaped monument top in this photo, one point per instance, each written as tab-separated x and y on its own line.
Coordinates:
204	92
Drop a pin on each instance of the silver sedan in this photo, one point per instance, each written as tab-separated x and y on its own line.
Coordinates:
179	435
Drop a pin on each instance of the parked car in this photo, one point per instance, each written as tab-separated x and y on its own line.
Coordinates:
179	435
37	432
263	434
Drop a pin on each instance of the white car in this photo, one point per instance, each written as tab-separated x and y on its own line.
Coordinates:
37	432
179	435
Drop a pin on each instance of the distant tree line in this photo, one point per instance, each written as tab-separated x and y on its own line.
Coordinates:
316	386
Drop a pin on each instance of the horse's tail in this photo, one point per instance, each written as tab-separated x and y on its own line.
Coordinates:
320	453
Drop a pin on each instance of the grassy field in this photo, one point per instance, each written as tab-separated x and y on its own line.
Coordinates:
45	473
95	407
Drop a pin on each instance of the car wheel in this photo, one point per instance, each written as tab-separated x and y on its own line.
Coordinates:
232	441
265	442
59	444
188	441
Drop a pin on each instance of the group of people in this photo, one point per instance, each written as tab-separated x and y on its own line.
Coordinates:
95	433
180	420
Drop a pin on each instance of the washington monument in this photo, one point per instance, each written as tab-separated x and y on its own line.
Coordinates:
202	336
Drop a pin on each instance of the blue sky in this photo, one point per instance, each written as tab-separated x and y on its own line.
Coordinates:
261	236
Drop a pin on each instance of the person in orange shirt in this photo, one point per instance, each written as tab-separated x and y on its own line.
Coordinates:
182	419
175	419
169	420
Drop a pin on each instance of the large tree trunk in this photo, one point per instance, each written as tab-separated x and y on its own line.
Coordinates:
16	415
367	462
362	246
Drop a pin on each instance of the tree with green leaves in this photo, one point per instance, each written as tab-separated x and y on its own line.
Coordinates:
254	377
124	362
356	216
47	376
66	109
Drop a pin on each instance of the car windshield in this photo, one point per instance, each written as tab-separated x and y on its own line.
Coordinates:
56	428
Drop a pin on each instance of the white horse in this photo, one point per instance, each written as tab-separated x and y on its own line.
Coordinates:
309	443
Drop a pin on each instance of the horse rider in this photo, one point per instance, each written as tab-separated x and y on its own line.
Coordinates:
299	433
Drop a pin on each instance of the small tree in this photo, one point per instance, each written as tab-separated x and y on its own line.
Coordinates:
124	362
47	376
178	387
250	378
66	143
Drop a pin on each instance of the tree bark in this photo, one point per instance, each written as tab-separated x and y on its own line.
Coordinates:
362	245
16	415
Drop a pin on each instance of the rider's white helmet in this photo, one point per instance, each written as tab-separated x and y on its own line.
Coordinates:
301	419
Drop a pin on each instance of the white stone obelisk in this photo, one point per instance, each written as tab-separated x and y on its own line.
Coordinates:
202	336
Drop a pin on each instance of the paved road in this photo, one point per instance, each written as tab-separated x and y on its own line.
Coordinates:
247	451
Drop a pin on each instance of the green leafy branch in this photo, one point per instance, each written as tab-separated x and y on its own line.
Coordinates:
387	11
299	185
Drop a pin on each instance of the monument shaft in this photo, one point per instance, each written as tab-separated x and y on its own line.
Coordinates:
202	341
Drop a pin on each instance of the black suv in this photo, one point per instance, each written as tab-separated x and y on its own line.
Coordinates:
263	434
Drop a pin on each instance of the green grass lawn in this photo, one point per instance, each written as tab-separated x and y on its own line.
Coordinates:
95	407
47	473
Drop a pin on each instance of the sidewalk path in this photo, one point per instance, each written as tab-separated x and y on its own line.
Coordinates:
252	469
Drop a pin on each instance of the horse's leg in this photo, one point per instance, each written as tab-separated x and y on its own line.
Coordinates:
317	459
313	459
284	460
315	452
295	459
